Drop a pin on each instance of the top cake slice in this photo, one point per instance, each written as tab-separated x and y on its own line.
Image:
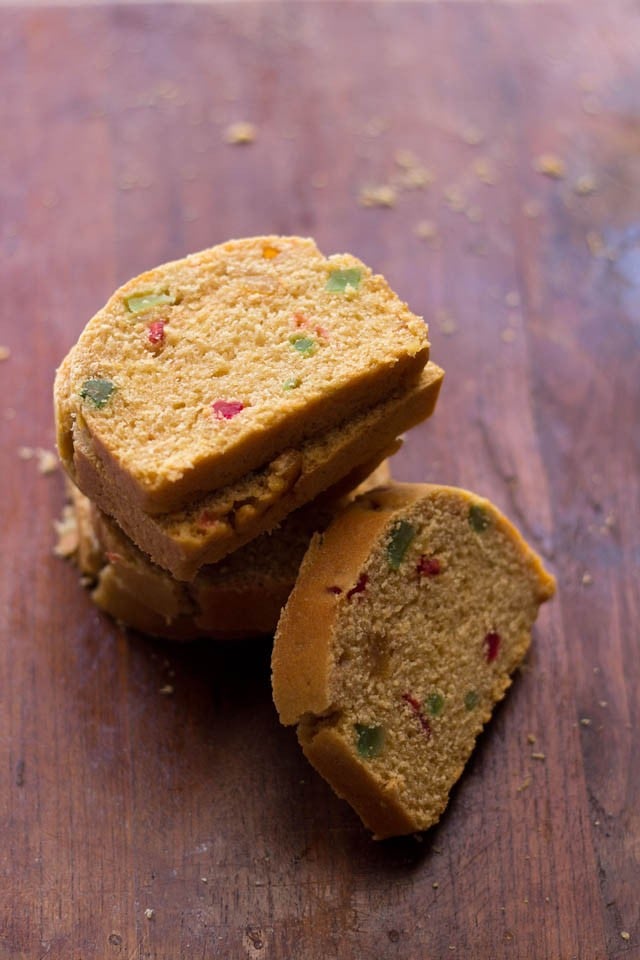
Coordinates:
203	369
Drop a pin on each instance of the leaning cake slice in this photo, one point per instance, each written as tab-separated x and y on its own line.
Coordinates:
204	369
223	521
408	618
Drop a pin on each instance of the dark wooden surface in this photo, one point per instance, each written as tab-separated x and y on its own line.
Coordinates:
116	798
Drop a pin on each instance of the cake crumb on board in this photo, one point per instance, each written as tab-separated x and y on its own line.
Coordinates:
5	353
382	195
550	165
240	133
47	459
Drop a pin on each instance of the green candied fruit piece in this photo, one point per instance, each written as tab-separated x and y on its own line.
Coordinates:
471	699
369	740
402	534
304	345
435	703
479	519
339	280
97	392
139	302
292	383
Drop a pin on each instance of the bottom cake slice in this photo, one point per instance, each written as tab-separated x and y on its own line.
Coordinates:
241	596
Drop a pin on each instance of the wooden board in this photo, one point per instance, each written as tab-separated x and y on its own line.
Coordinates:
116	798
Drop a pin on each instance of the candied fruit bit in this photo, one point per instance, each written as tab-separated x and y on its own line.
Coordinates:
156	332
208	518
304	345
292	383
269	252
334	589
400	538
435	703
416	706
360	586
471	699
428	566
369	740
226	409
299	320
139	302
339	280
478	518
491	645
97	392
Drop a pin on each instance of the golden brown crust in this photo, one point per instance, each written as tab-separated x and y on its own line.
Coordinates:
380	808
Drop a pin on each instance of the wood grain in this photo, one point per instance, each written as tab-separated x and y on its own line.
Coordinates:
116	798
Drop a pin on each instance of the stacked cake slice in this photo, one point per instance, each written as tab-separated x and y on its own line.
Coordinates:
215	397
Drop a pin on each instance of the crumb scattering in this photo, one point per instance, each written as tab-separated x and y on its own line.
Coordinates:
550	165
454	199
66	530
587	579
473	136
531	209
382	195
585	721
585	185
625	935
5	353
485	171
538	756
167	690
512	298
446	322
47	459
531	738
426	230
240	133
149	913
526	783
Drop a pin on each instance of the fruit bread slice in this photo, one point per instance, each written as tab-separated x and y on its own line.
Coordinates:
204	369
214	526
409	615
241	596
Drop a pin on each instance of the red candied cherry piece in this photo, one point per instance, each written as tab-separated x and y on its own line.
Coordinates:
208	518
428	566
155	332
416	706
360	586
491	646
226	409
